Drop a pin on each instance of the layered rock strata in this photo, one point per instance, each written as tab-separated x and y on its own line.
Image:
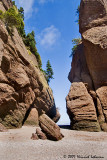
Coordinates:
87	99
49	127
22	84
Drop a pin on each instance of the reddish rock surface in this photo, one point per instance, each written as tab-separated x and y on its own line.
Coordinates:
81	109
89	66
22	84
102	96
57	117
32	118
93	13
34	136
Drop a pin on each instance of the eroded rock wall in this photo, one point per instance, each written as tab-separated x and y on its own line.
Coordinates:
88	75
22	84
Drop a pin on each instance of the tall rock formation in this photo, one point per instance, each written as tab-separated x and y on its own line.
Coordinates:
87	99
22	84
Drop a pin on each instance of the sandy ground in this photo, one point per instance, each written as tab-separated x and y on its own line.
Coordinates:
17	145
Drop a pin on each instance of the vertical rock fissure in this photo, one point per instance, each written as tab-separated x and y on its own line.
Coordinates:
95	104
27	114
102	107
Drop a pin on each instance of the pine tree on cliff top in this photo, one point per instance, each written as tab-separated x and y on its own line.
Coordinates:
49	72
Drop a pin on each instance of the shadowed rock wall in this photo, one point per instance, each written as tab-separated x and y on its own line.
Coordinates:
22	84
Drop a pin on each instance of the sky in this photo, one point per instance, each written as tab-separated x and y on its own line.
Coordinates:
54	24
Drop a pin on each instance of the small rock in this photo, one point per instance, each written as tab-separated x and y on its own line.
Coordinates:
40	134
34	136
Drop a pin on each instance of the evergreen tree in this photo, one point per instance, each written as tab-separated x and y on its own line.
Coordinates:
49	72
31	43
21	29
13	2
21	12
78	13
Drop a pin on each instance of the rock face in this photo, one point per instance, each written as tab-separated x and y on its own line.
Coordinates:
87	99
22	84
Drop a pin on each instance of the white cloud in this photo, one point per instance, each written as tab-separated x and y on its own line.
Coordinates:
27	5
44	1
49	36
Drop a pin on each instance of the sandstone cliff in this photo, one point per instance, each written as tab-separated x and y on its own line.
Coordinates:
87	99
22	84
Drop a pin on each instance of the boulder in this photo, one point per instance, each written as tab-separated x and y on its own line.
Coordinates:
49	127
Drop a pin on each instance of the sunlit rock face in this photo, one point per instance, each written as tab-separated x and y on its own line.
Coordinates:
22	84
87	99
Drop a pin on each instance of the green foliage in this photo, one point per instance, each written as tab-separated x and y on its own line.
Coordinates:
77	13
13	2
49	72
28	49
1	15
38	59
12	19
21	12
78	10
31	43
75	42
21	31
20	28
